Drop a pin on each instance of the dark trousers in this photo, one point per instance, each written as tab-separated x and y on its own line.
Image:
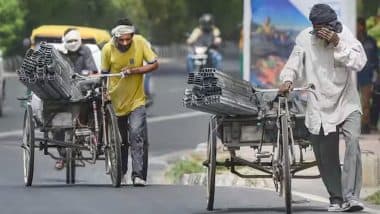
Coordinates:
60	136
342	185
375	107
326	151
134	134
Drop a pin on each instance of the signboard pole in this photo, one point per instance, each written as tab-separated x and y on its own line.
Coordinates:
246	39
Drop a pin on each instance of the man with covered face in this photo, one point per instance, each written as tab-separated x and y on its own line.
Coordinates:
328	56
80	58
78	54
126	53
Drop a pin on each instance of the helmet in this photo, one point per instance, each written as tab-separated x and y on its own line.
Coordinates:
206	21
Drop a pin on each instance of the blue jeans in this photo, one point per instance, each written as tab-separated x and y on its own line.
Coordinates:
134	134
216	60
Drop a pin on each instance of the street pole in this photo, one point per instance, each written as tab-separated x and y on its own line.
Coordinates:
247	39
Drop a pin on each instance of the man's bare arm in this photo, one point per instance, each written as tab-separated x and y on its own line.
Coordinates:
141	70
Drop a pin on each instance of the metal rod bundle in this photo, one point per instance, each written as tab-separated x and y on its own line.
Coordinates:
48	74
218	93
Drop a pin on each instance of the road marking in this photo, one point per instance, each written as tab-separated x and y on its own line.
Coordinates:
10	133
175	116
10	74
311	197
326	200
150	120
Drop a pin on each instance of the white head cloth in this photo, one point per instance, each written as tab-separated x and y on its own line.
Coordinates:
122	29
68	40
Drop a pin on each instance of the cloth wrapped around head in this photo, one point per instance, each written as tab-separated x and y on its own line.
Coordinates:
122	29
323	14
72	40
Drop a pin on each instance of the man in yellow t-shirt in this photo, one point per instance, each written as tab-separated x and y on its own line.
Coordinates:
125	53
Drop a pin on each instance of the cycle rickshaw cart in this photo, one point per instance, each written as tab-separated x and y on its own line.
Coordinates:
275	126
83	143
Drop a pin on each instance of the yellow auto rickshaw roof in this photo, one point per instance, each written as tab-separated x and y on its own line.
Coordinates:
57	31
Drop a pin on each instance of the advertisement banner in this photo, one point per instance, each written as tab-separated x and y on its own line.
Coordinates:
273	29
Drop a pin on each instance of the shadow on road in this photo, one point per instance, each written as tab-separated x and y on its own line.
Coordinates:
266	210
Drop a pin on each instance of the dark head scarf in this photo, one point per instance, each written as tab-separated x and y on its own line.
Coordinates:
323	14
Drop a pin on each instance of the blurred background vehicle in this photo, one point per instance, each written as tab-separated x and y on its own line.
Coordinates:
200	58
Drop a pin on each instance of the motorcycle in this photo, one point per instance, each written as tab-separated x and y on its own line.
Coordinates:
200	58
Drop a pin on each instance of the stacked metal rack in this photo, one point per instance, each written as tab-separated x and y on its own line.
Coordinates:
218	93
47	74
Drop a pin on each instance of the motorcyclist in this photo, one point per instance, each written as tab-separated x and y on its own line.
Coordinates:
206	34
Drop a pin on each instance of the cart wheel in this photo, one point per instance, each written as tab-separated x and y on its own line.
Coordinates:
286	178
211	169
28	146
113	148
70	166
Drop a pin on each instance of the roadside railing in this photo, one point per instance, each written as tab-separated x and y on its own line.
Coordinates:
11	64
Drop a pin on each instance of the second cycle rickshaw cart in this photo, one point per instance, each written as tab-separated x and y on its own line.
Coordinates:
276	126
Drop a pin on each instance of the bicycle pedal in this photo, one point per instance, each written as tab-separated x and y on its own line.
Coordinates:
264	155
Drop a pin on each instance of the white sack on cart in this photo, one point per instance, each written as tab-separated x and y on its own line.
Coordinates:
37	107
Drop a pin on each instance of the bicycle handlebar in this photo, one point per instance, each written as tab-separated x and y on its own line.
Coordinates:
96	76
309	88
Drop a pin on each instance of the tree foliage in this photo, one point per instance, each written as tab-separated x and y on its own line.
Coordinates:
168	20
12	23
134	10
161	21
96	13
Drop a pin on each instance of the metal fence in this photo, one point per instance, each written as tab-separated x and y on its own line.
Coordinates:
11	64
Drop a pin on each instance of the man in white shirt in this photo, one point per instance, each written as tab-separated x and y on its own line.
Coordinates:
328	56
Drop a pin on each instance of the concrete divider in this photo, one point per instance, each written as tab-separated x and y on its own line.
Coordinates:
371	169
370	148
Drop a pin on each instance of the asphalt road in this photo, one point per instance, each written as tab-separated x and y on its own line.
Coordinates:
94	195
172	128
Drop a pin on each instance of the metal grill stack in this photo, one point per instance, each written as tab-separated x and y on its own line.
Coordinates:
218	93
47	74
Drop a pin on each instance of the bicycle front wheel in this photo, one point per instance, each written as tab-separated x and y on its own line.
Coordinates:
28	146
211	168
113	148
285	163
